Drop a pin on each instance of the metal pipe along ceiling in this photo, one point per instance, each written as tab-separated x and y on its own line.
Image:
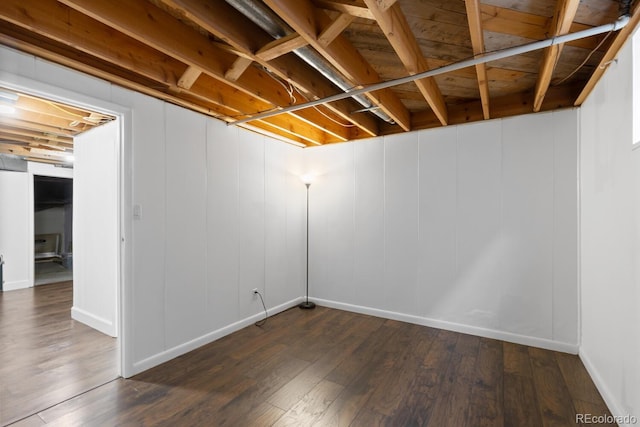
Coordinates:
262	16
480	59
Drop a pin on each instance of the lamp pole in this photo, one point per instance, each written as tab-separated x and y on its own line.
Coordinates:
307	304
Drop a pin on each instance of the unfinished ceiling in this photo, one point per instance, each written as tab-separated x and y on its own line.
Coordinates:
41	130
235	59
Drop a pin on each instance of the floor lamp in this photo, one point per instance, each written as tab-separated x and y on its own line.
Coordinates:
306	304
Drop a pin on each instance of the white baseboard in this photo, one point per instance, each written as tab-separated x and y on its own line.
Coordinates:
606	394
93	321
456	327
181	349
15	285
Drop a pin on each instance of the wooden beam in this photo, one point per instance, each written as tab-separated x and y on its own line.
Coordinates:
477	43
335	29
308	21
208	95
611	53
346	6
238	67
396	28
60	23
313	136
245	38
562	18
280	46
383	5
63	55
38	125
35	135
189	77
153	26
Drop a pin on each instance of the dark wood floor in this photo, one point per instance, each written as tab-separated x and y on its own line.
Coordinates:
333	368
45	356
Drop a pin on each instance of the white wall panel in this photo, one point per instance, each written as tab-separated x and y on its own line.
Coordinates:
148	247
283	189
438	201
528	196
480	245
275	218
95	228
401	233
565	228
296	227
15	62
222	224
368	251
14	228
459	223
330	212
252	221
185	244
58	76
610	238
338	209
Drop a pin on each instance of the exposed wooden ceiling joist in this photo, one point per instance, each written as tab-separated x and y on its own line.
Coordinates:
244	36
308	21
395	27
208	56
561	23
477	42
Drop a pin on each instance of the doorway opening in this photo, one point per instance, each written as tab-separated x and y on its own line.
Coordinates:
53	229
66	328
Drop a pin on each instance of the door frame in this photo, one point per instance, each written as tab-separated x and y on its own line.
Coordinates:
124	194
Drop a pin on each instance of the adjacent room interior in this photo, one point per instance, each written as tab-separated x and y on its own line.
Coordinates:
56	344
449	191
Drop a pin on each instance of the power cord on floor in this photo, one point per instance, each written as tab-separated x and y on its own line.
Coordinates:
263	321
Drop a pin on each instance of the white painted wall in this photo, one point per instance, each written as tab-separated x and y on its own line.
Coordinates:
15	230
471	228
95	228
221	213
610	238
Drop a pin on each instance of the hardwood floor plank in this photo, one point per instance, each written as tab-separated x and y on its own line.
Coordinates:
311	406
361	371
577	378
520	402
45	356
554	398
516	360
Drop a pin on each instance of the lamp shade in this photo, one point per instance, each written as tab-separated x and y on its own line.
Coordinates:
307	178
